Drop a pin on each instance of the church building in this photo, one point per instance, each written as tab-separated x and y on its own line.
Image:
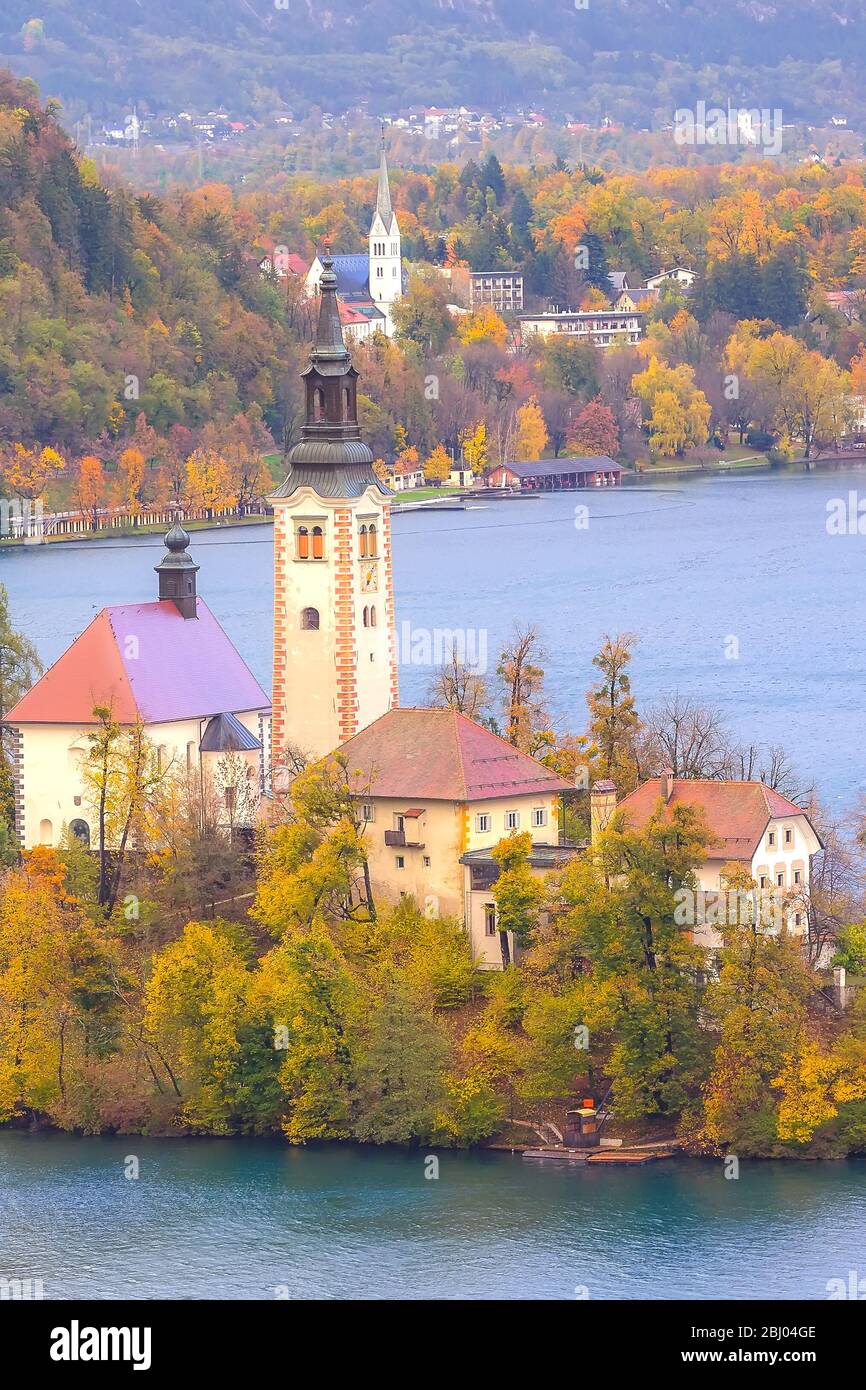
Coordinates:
165	666
368	284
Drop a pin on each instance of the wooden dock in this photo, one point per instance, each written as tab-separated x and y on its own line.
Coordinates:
632	1157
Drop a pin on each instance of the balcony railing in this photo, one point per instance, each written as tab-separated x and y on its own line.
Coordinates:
397	839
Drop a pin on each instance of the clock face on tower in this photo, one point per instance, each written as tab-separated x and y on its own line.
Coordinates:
369	578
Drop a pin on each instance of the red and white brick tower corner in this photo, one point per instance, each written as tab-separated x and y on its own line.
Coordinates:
335	667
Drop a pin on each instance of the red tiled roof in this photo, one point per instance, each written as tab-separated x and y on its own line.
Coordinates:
144	659
737	813
440	755
349	315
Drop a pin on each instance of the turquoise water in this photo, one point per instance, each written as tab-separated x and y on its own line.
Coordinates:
687	566
257	1219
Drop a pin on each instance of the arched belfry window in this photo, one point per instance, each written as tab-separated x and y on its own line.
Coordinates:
318	404
302	549
362	542
366	617
372	550
318	543
310	619
81	830
373	616
347	403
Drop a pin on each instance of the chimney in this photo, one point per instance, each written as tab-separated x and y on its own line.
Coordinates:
602	804
177	571
666	785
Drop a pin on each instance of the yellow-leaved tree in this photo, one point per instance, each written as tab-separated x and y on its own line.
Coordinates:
531	435
437	468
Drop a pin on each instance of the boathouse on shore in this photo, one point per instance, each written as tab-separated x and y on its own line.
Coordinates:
556	475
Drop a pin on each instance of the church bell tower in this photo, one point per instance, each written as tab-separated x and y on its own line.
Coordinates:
386	264
335	666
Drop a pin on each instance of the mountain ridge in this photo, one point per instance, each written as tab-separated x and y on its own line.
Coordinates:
637	58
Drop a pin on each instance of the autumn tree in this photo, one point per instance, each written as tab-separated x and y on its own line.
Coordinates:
456	685
209	483
19	668
522	679
122	775
90	488
437	467
642	999
758	1006
473	445
61	989
594	431
482	325
517	892
531	434
314	866
130	479
678	414
28	471
613	718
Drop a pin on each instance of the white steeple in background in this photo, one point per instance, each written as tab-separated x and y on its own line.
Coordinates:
386	266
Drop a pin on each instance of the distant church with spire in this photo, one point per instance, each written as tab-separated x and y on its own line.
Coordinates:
368	285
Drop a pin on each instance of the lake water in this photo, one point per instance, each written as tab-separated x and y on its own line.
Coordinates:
698	568
247	1218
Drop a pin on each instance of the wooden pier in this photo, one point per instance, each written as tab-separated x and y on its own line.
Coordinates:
629	1157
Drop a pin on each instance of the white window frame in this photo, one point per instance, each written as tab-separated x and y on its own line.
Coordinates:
539	817
482	822
512	820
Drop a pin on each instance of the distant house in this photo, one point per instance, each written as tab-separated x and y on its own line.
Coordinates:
406	482
751	826
461	477
358	325
556	475
283	263
618	280
603	327
502	289
679	274
639	300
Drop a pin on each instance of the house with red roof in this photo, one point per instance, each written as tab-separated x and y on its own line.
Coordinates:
751	825
167	666
437	793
